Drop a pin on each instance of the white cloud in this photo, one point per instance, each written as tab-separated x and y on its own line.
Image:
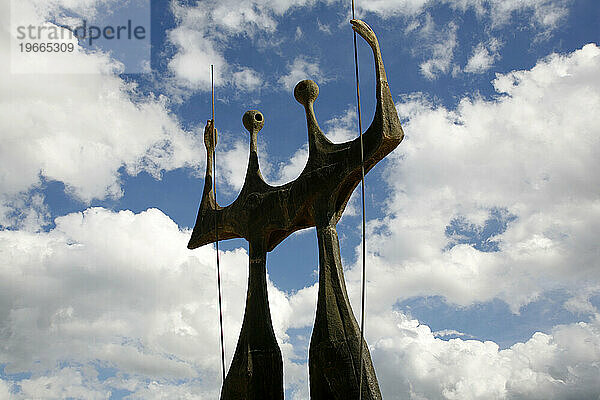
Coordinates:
24	211
546	14
4	390
159	390
93	292
580	302
254	16
80	129
391	8
412	363
323	27
247	79
483	57
345	127
121	290
204	29
230	17
291	169
233	162
440	52
448	332
301	68
194	51
65	383
92	282
85	8
529	153
203	32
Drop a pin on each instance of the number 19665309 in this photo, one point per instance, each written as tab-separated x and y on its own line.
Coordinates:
46	47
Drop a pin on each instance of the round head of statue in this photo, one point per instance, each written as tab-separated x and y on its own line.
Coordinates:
306	92
253	120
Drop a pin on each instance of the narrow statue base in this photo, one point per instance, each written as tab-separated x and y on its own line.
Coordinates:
256	372
257	375
334	354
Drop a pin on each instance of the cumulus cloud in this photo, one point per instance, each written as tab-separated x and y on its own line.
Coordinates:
65	383
254	16
437	44
201	35
440	52
204	29
448	332
233	164
301	68
86	8
522	161
546	14
247	79
4	390
120	290
412	363
580	302
291	169
343	128
81	128
195	49
483	57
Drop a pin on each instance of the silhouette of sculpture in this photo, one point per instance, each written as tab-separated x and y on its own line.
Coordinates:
265	215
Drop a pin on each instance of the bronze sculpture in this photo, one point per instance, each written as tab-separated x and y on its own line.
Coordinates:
265	215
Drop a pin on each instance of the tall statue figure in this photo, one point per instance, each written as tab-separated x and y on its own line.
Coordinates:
265	215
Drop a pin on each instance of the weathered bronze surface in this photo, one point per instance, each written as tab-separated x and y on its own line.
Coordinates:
265	215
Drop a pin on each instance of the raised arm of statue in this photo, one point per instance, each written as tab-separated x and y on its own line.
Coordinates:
344	159
385	131
210	141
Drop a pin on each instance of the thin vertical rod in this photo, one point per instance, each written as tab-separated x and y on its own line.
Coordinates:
362	192
214	137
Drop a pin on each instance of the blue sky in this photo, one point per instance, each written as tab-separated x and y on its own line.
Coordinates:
482	226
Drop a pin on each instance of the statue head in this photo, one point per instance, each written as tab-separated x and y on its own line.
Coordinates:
253	120
306	92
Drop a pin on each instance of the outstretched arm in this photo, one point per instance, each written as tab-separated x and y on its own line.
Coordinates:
364	30
383	135
385	132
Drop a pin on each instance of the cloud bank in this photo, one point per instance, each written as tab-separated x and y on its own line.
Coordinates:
111	301
80	128
521	162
